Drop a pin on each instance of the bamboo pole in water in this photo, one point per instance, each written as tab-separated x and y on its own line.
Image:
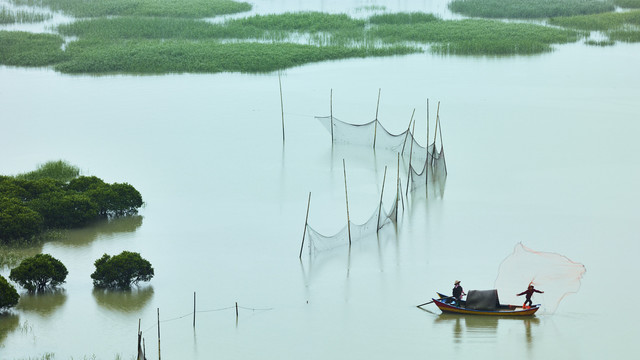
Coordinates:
194	309
426	168
331	112
346	195
410	156
375	129
306	221
159	334
381	194
408	130
281	105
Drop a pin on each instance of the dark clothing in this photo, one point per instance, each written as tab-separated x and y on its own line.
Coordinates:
457	292
528	294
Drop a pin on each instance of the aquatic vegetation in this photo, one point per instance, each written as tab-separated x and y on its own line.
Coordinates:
402	18
599	22
169	8
628	4
208	56
526	9
478	37
28	49
8	16
58	170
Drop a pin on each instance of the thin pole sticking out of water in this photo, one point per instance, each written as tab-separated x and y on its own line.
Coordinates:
410	155
281	105
398	194
381	193
408	130
426	185
331	112
441	143
435	133
306	221
158	333
346	196
194	309
375	129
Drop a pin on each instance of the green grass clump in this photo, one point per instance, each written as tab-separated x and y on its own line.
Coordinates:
529	9
601	43
58	170
8	16
599	22
402	18
168	8
628	4
479	37
208	56
308	22
29	49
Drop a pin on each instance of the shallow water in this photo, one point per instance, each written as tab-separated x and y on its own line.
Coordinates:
540	150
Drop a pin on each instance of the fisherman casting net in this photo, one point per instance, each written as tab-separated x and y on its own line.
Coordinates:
555	274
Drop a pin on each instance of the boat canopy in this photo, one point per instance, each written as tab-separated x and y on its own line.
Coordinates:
483	299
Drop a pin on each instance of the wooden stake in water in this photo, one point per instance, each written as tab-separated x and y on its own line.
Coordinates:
346	196
331	112
426	168
375	129
281	105
236	311
306	221
381	194
159	334
194	309
410	156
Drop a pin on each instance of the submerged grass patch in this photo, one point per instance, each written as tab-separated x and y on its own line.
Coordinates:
28	49
599	22
529	9
478	37
8	16
168	8
208	56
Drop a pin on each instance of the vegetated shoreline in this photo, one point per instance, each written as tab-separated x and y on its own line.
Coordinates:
161	39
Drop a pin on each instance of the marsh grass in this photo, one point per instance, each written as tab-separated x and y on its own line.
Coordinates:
208	56
601	43
8	16
29	49
628	4
402	18
57	170
166	8
599	22
529	9
479	37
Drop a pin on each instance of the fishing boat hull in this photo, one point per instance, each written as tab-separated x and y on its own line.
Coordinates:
503	310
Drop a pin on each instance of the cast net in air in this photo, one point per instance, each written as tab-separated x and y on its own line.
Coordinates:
555	274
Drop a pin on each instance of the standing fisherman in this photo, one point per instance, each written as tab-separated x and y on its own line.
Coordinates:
528	294
458	292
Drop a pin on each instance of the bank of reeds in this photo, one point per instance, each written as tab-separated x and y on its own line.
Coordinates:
627	4
29	49
207	56
529	9
167	8
8	16
599	22
478	37
58	170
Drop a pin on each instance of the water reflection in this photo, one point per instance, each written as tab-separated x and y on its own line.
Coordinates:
126	301
101	228
42	303
474	328
8	323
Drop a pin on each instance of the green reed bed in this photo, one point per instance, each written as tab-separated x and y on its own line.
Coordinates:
402	18
627	4
529	9
29	49
599	22
209	56
58	170
310	22
166	8
478	37
8	16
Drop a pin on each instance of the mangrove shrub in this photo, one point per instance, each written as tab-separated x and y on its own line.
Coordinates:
8	295
39	272
121	271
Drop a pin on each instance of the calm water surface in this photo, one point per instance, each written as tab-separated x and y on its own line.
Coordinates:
541	150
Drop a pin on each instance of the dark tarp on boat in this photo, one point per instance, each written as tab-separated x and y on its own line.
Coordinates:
483	300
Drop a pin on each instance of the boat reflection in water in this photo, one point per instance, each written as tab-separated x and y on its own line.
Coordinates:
473	329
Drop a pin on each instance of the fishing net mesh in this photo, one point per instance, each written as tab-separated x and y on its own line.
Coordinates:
426	166
555	274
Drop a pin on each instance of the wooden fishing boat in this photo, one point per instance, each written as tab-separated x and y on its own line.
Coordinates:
482	302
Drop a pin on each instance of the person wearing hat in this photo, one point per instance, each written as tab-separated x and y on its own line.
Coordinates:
458	292
530	290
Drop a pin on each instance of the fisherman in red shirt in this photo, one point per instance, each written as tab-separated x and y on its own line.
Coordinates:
528	293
